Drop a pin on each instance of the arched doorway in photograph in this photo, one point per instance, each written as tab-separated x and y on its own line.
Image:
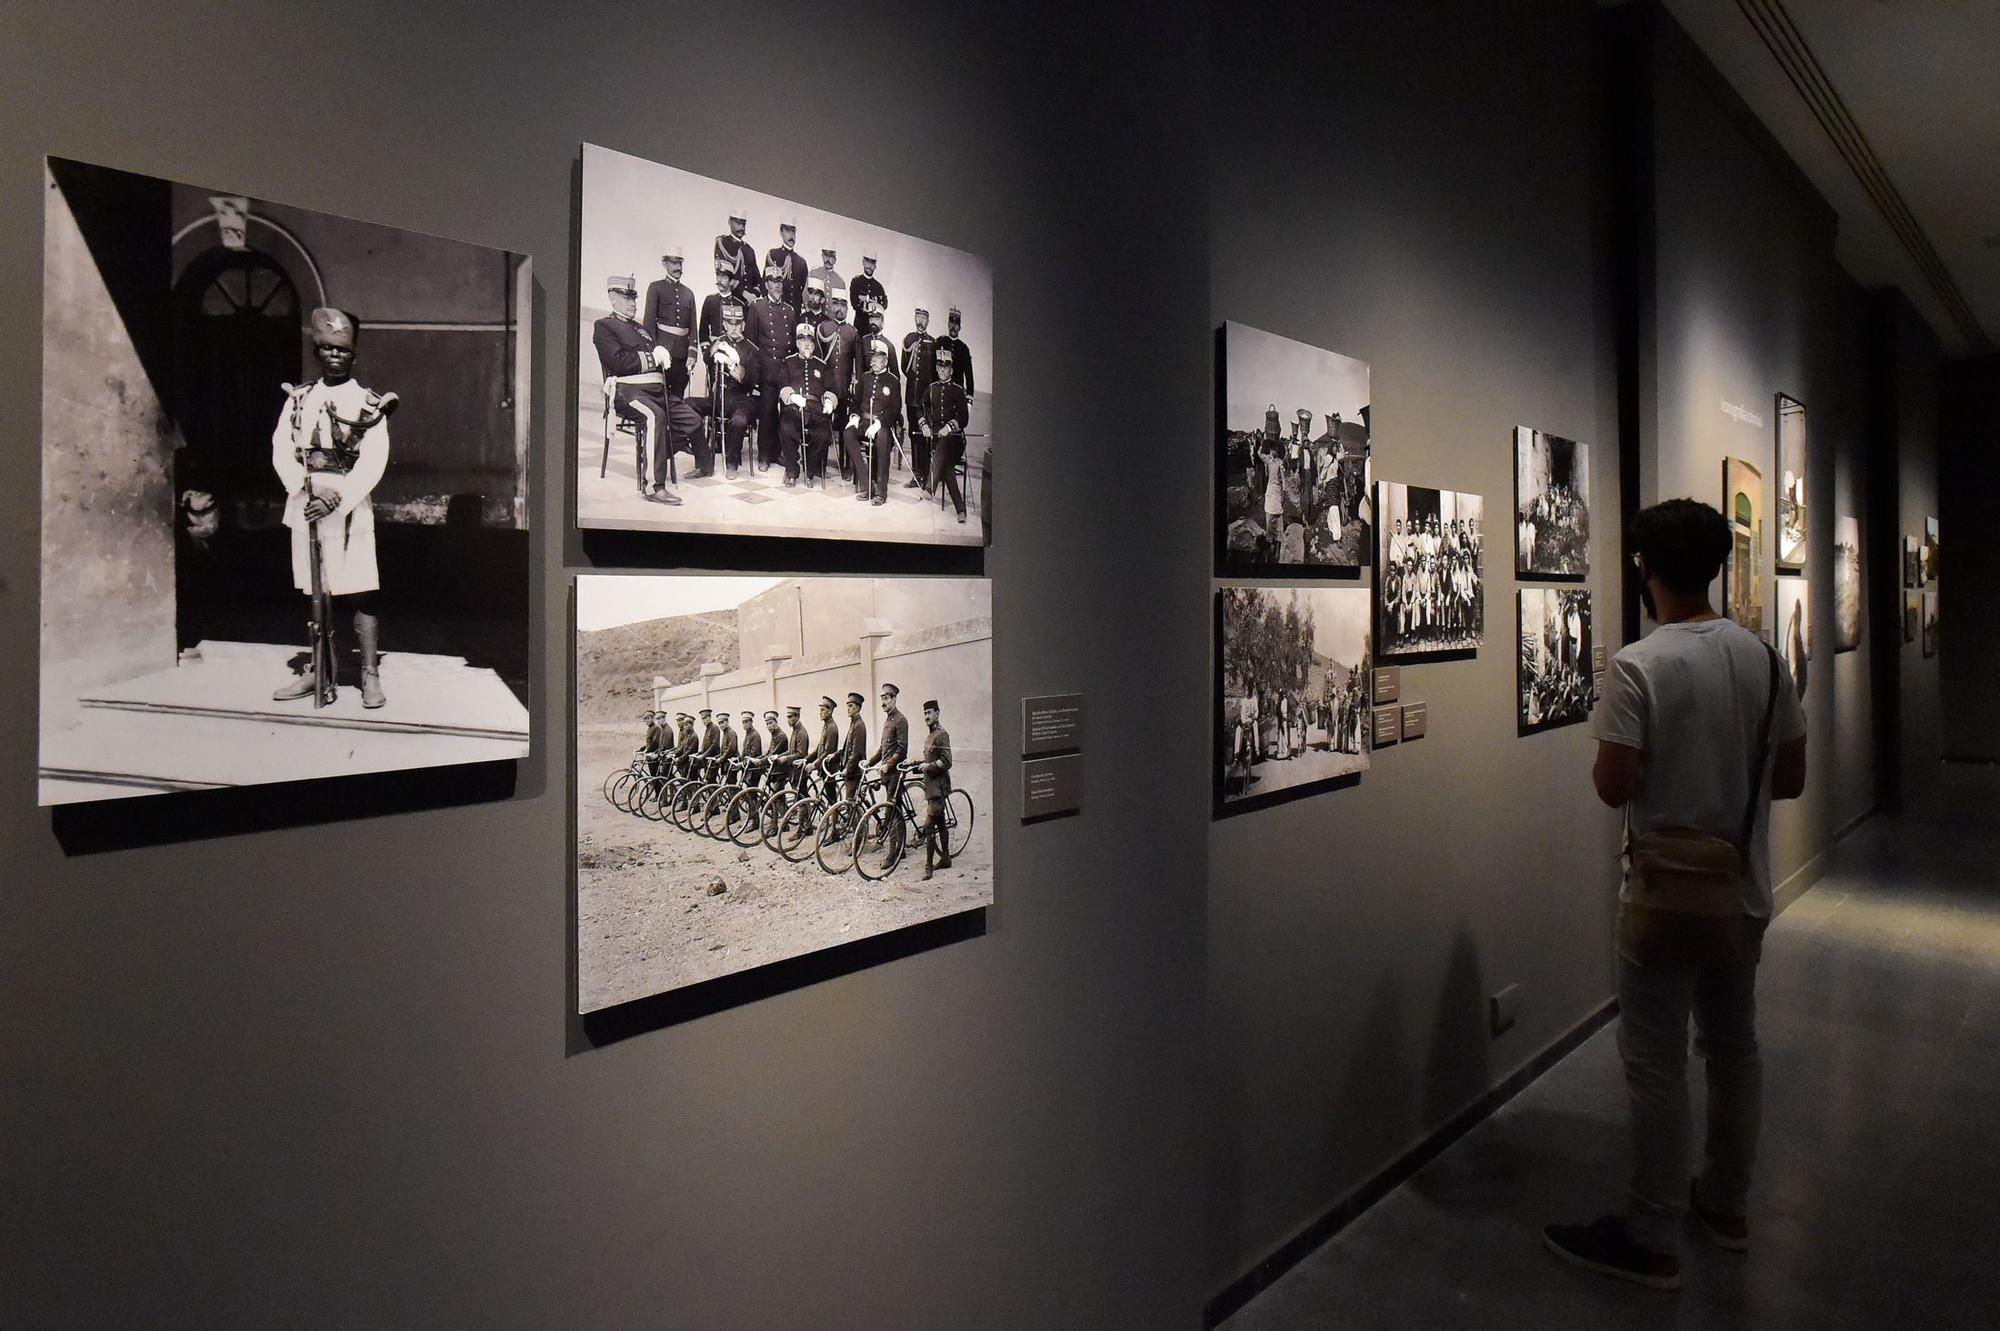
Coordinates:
237	321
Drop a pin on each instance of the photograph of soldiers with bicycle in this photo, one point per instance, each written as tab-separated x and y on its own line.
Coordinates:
771	766
1294	691
726	386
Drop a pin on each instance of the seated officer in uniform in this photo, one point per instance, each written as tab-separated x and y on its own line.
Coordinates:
806	403
875	412
634	360
736	371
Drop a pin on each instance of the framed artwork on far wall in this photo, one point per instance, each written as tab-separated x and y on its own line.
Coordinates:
1930	626
1292	455
1913	615
1846	584
1743	574
1792	516
1930	561
1430	579
1913	562
1551	505
1554	678
1795	628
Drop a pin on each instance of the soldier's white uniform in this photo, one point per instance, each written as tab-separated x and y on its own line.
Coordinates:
346	536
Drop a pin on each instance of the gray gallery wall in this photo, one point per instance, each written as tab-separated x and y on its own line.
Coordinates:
1446	219
323	1075
1909	375
1969	581
1748	302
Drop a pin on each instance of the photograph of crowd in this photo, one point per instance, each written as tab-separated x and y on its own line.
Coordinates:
1795	628
768	767
751	365
1554	675
1293	714
1791	484
1846	583
1294	453
1552	505
1430	580
285	493
1743	574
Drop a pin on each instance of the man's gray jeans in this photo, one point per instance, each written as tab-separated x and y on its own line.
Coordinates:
1654	1003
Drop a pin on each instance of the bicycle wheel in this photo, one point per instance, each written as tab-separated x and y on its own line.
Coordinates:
611	779
833	843
879	842
773	813
743	824
662	808
958	822
796	829
713	812
621	792
690	805
647	799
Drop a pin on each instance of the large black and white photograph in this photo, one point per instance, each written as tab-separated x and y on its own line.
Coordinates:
1929	553
1846	583
1430	582
1554	674
1743	573
1792	515
1293	692
768	767
1551	505
1795	640
285	492
1294	453
751	365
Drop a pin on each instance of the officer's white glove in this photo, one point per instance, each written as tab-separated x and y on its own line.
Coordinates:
924	428
853	422
874	429
663	358
828	402
790	398
726	354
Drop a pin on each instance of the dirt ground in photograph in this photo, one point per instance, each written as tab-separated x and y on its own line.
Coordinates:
648	920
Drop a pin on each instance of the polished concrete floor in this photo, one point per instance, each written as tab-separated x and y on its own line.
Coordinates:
1877	1201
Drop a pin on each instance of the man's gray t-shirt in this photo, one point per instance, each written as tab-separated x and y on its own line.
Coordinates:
1691	699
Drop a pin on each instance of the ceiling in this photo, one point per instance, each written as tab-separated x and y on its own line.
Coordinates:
1920	82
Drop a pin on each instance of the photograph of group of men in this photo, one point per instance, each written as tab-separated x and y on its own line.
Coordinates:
784	384
1555	677
1294	688
1295	456
1431	579
1552	505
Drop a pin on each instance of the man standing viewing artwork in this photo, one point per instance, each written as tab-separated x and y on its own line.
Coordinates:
1695	738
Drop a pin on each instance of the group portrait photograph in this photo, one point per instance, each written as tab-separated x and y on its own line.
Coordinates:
752	365
1292	686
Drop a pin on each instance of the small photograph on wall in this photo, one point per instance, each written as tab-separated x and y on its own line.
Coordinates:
1552	505
1913	615
1913	562
1743	575
1554	675
1930	552
1795	628
1846	583
1430	583
768	767
1294	453
1791	415
749	365
1293	692
1930	629
285	492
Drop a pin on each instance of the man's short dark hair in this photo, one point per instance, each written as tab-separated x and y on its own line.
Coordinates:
1683	542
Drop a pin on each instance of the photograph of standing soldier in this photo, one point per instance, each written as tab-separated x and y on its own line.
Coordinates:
936	773
894	748
330	448
787	259
830	281
670	318
853	749
732	247
736	370
829	745
875	411
636	364
806	403
961	355
769	323
919	372
942	419
865	289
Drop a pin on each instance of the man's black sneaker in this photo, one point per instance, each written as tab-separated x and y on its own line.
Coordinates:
1607	1247
1731	1233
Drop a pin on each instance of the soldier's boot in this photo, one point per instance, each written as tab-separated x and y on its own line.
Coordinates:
368	630
943	848
930	855
302	685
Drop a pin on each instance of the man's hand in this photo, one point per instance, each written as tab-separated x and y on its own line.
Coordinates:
828	402
874	428
853	422
663	358
1616	774
319	504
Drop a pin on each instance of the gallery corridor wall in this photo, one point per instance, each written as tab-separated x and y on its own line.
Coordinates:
269	1063
1969	582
